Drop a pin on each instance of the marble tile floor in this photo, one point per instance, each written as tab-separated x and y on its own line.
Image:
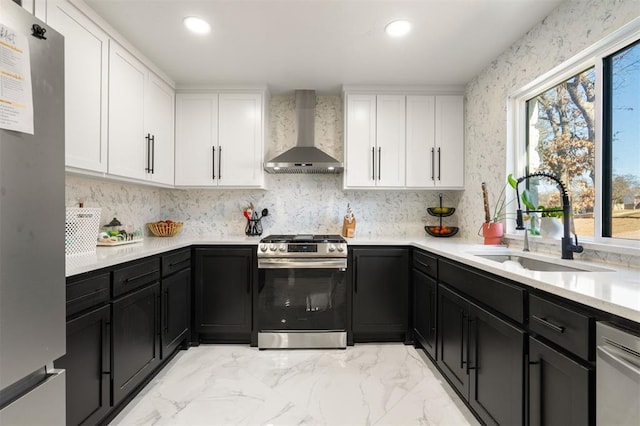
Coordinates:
367	384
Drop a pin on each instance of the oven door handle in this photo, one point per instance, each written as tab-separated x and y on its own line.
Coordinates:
338	263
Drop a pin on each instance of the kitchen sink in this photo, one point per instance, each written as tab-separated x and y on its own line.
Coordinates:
533	264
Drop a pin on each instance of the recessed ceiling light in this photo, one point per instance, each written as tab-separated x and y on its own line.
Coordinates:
398	28
197	25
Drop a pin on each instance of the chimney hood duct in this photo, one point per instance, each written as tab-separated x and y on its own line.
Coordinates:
304	157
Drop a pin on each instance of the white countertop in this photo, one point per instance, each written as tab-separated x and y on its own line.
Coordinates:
612	289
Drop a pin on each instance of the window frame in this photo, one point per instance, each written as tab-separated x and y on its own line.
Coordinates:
517	121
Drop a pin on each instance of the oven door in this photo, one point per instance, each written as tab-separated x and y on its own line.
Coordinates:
302	295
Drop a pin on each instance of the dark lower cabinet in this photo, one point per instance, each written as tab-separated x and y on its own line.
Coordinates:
453	344
87	365
176	302
380	289
482	356
222	299
558	387
136	339
496	368
424	311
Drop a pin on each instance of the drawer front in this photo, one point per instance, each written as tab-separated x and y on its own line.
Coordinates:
176	261
562	325
135	275
85	293
506	298
426	263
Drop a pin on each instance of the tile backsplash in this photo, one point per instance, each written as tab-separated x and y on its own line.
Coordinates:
297	203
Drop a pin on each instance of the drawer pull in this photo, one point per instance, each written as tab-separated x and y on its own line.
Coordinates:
171	265
556	328
137	277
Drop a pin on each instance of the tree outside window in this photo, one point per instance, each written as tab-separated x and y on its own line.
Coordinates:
561	141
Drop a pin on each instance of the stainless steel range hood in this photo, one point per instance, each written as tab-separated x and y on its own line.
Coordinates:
305	157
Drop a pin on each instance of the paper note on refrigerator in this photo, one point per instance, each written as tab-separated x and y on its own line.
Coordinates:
16	100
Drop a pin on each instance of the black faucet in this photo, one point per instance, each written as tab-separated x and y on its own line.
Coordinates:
568	245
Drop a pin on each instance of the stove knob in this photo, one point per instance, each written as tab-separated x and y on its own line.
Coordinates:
332	248
283	247
263	247
340	248
272	247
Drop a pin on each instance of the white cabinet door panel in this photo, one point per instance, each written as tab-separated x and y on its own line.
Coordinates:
450	141
196	139
128	149
360	143
86	68
390	136
421	155
239	158
159	122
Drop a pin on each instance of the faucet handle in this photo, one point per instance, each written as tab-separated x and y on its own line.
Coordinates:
576	248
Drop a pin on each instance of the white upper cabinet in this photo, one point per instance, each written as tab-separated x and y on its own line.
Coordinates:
375	141
38	8
159	119
390	138
220	140
240	140
435	142
129	147
360	141
140	108
196	139
421	136
86	68
450	141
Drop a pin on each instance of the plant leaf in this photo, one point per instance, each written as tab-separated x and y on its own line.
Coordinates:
512	181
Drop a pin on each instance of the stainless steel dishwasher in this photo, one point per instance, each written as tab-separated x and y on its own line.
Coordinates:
617	376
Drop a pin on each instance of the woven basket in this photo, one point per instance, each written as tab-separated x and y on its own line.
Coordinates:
163	229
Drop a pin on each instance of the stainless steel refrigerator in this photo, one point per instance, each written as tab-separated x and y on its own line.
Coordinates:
32	215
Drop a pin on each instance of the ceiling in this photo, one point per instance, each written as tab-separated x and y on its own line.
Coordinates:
323	44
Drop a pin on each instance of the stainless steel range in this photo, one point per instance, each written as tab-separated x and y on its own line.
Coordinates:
302	292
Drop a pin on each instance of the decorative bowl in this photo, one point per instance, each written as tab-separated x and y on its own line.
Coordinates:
441	211
164	228
441	231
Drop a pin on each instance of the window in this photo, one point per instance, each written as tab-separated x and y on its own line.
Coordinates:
581	122
561	141
621	144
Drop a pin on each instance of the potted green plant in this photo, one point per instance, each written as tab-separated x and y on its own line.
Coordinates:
493	228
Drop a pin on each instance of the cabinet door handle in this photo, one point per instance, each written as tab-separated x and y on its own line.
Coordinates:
355	274
462	347
379	162
433	164
213	162
471	322
137	277
153	154
165	314
106	347
548	324
373	163
219	163
148	139
439	163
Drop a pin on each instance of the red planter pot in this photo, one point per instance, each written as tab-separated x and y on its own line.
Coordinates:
492	233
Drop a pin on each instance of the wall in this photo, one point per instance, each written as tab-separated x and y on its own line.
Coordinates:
131	204
571	28
297	203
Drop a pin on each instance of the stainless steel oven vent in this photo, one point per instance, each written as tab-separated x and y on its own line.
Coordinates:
305	157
